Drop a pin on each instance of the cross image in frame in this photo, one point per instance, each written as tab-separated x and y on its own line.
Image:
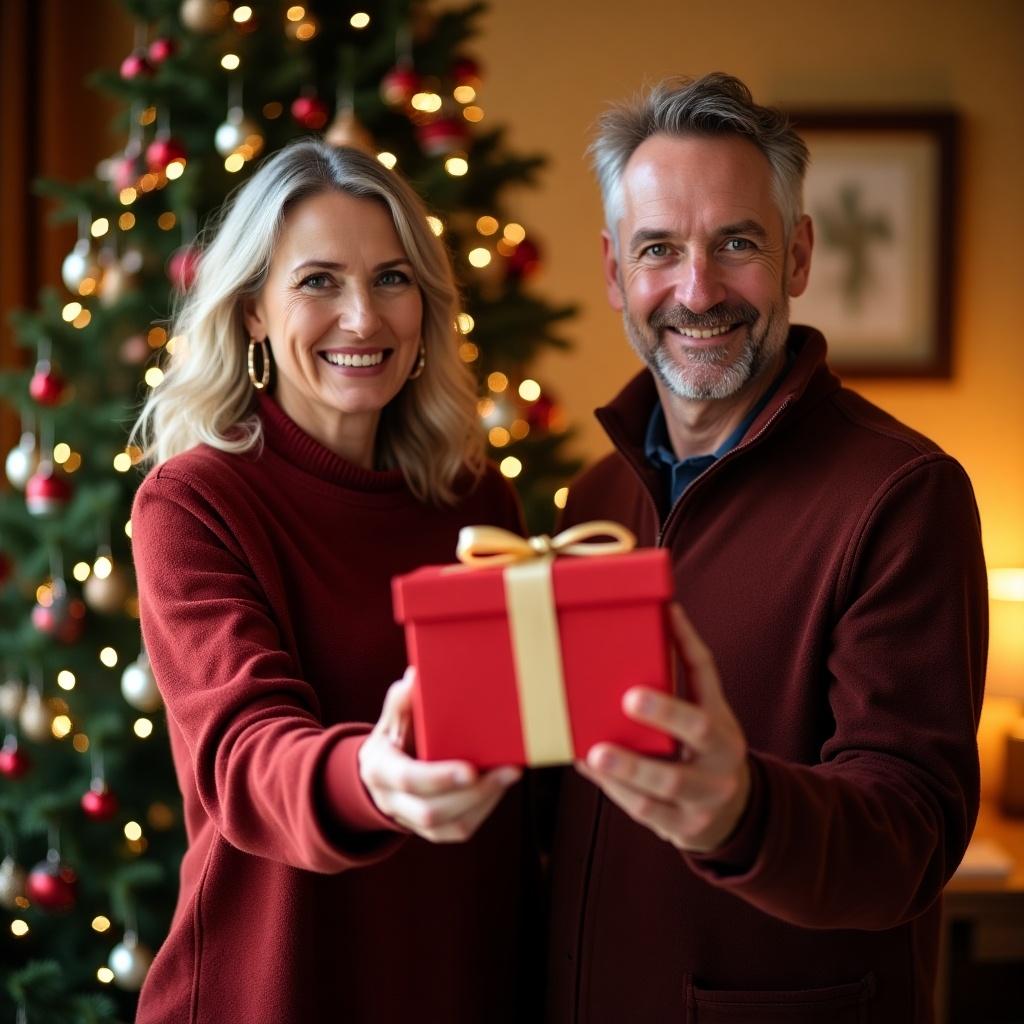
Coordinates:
880	190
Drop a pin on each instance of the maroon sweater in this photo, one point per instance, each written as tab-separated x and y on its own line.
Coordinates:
833	563
266	608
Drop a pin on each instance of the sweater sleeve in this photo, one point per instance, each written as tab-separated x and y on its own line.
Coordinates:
869	837
259	754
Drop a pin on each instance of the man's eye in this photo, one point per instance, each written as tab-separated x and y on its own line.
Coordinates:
738	244
657	250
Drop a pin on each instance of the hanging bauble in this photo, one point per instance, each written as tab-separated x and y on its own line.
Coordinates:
12	883
238	134
310	112
130	960
47	386
52	886
182	267
35	717
524	260
63	618
443	136
346	130
542	414
135	65
99	801
161	49
78	267
46	492
22	461
134	350
107	594
399	85
138	686
164	150
12	696
204	15
14	762
466	71
127	169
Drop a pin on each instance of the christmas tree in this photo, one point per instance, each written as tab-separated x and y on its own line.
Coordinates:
90	820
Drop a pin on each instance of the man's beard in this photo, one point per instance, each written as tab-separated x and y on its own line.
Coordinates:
709	373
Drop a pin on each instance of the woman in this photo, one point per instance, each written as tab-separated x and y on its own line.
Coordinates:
314	436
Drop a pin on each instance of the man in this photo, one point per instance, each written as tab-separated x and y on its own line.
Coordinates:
788	865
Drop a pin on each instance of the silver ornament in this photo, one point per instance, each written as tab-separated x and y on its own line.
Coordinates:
12	883
12	696
22	461
35	718
130	960
78	265
203	15
138	686
107	594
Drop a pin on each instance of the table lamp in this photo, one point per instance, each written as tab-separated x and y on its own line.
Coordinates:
1005	679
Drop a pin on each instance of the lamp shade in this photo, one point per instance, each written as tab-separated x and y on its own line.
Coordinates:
1006	633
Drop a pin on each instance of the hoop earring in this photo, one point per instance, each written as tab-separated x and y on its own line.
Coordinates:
417	370
260	382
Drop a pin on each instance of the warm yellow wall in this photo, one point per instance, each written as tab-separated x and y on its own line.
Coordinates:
551	65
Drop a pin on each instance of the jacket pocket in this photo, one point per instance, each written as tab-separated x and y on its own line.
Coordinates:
837	1004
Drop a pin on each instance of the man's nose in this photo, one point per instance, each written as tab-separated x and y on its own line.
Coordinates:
699	286
359	314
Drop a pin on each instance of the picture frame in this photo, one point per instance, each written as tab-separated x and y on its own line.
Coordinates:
880	190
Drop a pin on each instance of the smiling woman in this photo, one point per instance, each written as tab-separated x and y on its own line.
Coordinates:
315	437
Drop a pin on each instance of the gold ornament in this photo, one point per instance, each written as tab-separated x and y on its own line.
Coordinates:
346	130
12	696
35	718
107	595
204	15
12	883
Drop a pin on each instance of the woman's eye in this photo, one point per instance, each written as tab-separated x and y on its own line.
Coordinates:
315	281
393	277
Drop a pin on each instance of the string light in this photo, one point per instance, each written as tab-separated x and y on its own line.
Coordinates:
499	437
87	286
468	352
242	14
388	159
156	337
70	311
166	221
104	975
127	196
108	656
359	20
295	13
464	94
456	166
100	923
235	162
143	728
66	679
514	233
80	742
465	323
82	320
60	726
73	463
426	102
487	225
273	110
519	428
132	830
479	257
230	61
511	467
102	567
473	114
175	169
485	407
561	497
529	390
148	116
172	343
128	529
497	382
122	462
154	376
99	227
126	221
19	928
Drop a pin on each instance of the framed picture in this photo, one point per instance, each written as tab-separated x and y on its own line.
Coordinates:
880	191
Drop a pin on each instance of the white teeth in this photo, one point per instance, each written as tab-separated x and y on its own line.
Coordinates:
343	359
692	332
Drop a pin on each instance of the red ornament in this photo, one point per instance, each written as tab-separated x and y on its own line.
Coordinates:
46	492
163	151
99	803
182	267
541	414
466	71
524	261
63	619
126	170
5	568
162	48
14	763
135	65
52	886
310	112
399	85
46	385
443	136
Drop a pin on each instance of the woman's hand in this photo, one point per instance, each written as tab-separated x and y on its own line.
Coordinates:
443	801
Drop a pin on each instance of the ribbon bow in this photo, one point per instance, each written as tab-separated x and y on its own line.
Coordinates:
491	545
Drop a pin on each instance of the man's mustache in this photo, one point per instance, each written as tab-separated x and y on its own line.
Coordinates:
722	315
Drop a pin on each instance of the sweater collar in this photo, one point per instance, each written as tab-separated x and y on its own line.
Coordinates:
626	417
285	438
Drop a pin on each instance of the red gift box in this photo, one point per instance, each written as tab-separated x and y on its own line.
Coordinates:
473	646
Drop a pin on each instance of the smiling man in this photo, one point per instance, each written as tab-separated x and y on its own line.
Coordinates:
788	865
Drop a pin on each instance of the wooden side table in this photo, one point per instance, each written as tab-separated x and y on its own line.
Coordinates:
992	908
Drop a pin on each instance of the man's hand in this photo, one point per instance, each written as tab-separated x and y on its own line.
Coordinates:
695	801
443	801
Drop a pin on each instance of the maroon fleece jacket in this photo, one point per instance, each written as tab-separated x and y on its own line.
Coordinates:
833	564
266	609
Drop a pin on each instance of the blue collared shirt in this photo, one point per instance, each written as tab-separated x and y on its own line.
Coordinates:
680	473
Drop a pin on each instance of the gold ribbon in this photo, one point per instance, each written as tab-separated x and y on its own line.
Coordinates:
533	621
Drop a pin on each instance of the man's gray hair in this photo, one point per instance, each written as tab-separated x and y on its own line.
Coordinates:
714	105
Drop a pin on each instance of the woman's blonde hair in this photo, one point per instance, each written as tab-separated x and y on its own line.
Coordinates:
430	430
